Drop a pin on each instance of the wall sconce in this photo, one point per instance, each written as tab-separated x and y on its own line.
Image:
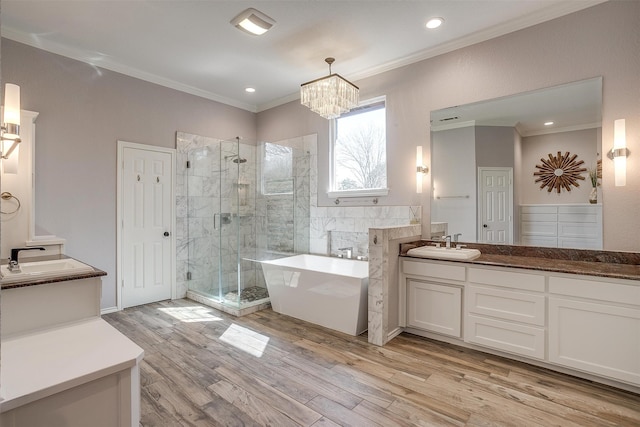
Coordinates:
619	153
421	169
10	129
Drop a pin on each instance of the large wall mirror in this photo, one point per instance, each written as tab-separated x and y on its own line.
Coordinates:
483	160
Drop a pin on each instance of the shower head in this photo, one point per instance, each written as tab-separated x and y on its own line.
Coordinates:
236	158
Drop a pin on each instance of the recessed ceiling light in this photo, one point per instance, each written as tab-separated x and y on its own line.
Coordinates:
434	23
250	89
253	22
548	123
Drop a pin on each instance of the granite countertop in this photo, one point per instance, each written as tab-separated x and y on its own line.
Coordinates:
619	265
63	278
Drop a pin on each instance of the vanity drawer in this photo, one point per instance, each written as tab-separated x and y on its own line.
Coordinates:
539	213
579	243
578	229
598	290
508	279
508	305
547	229
545	242
434	270
586	214
518	339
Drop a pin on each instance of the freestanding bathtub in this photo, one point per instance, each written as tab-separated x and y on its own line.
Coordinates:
330	292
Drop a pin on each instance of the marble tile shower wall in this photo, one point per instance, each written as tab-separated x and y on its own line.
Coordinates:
215	207
340	227
288	215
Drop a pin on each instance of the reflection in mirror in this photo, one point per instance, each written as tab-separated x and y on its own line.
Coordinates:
484	156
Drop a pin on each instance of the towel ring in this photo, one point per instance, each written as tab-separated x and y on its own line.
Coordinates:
8	196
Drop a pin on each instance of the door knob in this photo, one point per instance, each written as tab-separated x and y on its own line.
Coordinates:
166	234
485	225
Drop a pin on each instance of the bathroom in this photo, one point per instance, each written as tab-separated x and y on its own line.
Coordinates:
76	153
84	167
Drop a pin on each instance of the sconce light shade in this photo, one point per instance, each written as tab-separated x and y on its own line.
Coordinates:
253	21
10	164
11	119
421	169
619	153
10	129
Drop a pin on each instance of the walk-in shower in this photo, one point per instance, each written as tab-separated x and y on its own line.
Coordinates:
243	202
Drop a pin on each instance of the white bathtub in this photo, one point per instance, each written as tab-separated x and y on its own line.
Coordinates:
331	292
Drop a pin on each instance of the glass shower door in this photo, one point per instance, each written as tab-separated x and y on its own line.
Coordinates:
203	218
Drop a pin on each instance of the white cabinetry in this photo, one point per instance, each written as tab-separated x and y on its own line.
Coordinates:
506	310
434	302
435	307
595	327
563	226
572	323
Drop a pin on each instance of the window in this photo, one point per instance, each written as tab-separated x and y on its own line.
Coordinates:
277	169
360	150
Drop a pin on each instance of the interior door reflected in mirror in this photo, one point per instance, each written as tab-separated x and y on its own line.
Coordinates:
484	157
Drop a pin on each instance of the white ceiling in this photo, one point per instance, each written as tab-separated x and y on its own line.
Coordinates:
572	106
192	47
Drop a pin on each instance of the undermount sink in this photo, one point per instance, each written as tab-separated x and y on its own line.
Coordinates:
38	270
464	254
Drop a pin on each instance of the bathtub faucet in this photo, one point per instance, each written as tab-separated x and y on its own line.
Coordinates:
349	251
13	261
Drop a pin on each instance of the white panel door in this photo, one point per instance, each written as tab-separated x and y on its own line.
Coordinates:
146	226
495	210
435	307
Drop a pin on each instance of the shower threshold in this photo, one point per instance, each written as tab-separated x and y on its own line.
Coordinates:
229	305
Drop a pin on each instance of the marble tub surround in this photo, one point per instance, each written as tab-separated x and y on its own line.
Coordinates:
620	265
44	280
349	226
384	245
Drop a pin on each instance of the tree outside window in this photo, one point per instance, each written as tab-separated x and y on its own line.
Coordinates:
359	151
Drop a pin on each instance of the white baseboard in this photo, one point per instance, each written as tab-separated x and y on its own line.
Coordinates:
108	310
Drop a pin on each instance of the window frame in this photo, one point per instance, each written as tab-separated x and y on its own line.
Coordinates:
364	192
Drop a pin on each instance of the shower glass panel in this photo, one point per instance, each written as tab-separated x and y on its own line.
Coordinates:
244	203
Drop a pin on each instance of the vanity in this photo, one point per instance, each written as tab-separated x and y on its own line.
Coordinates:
573	311
61	363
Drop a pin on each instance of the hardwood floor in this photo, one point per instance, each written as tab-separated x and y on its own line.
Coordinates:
205	368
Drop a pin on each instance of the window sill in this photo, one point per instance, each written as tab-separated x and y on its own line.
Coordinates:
374	192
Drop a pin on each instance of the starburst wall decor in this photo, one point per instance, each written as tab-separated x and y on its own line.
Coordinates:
560	172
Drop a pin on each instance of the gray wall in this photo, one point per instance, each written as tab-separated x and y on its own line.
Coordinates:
603	40
84	111
495	146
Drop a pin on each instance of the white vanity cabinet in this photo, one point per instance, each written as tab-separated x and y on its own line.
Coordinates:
594	326
580	324
434	297
505	310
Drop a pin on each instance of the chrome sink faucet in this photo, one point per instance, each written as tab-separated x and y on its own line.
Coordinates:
447	240
13	261
348	250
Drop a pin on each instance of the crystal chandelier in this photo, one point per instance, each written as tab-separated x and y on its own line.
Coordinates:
329	96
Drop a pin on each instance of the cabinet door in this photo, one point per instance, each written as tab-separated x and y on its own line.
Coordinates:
594	337
435	307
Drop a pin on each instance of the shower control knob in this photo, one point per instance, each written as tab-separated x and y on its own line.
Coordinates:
166	234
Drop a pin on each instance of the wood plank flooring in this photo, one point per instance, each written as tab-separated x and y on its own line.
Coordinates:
205	368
